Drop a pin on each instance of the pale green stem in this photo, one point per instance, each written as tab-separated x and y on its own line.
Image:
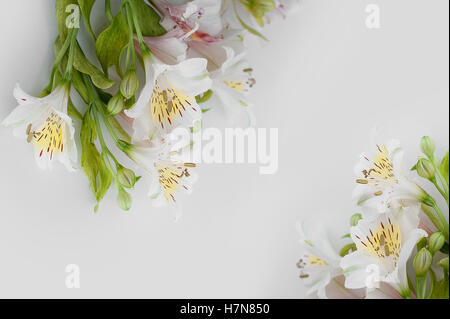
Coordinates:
108	12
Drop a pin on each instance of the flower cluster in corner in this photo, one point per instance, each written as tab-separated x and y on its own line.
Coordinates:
193	55
397	246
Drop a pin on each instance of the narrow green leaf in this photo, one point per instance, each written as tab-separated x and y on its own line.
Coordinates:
78	83
86	8
148	19
82	64
92	163
73	111
111	42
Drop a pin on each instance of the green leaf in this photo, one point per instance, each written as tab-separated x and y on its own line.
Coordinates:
92	163
62	15
73	111
119	129
82	64
148	19
78	83
86	8
111	42
444	167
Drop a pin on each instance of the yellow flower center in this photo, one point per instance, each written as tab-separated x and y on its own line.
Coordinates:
49	138
309	260
170	178
167	105
384	242
236	85
381	170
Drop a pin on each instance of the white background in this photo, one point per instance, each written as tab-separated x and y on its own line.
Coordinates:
324	80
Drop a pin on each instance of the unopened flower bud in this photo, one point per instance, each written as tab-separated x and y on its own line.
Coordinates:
116	104
427	146
126	177
425	168
444	264
422	262
436	242
129	84
124	200
355	219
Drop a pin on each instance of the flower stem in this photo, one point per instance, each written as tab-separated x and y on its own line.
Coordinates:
62	52
131	39
436	222
432	283
439	189
136	23
441	218
73	42
108	12
445	191
105	148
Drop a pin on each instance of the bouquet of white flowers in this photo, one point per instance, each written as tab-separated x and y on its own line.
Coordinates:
193	57
398	241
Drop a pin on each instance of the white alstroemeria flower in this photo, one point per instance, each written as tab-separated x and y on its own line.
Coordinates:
163	161
168	97
198	18
169	48
384	246
381	179
44	123
320	261
214	51
230	87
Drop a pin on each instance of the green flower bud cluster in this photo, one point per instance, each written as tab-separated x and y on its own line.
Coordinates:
125	179
426	251
128	88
